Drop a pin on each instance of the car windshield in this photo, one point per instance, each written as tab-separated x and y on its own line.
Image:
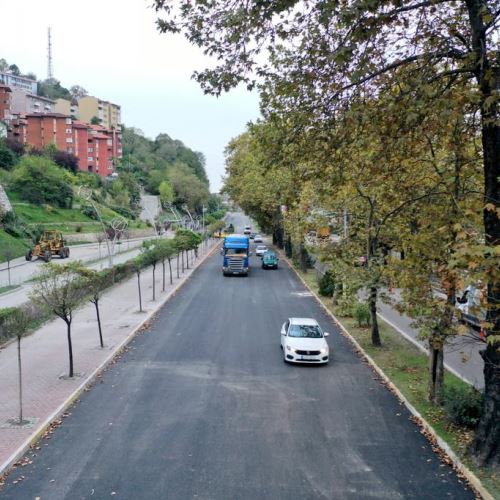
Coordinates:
305	331
261	248
235	251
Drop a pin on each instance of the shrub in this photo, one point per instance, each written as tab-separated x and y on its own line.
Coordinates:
463	405
78	228
38	180
327	285
89	211
361	313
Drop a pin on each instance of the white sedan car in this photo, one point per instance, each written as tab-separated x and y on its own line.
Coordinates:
303	341
260	250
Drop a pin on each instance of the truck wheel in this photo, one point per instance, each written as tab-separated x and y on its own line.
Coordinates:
47	256
67	252
29	255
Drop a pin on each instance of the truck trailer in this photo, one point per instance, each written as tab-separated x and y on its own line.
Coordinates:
236	255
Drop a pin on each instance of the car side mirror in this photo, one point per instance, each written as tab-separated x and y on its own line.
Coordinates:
326	334
283	331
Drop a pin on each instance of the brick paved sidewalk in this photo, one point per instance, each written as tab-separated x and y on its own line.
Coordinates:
45	355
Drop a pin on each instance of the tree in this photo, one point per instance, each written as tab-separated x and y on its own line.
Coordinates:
8	253
16	326
7	157
65	160
166	193
137	265
322	55
94	282
166	249
77	92
95	120
14	69
151	256
58	291
38	180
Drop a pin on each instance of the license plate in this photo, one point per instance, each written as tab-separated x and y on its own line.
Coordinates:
307	358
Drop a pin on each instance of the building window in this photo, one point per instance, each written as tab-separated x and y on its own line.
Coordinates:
69	139
89	158
68	121
69	131
90	150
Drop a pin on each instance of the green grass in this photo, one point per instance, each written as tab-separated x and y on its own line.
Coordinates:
406	367
19	246
34	214
8	288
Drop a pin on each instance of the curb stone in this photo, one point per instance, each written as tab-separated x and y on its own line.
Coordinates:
428	431
54	419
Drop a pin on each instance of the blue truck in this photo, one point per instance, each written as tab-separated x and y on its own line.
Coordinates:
236	255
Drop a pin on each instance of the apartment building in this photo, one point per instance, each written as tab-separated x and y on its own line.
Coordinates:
20	82
24	103
100	149
108	114
81	148
5	102
18	129
50	128
67	107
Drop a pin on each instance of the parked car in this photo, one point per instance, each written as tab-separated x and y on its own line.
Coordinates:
260	250
303	341
471	304
257	238
252	235
270	260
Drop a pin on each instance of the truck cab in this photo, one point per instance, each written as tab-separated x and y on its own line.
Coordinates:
236	255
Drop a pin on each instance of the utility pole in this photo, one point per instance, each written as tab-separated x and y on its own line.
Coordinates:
50	70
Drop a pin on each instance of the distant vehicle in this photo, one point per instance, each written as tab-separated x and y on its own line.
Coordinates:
323	232
260	250
51	243
247	230
252	235
471	306
270	260
303	341
257	238
236	253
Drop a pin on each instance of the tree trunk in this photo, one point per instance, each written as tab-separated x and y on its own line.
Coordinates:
436	370
182	260
163	270
8	271
303	258
154	284
20	377
70	347
372	303
170	269
177	266
187	259
139	288
288	247
486	445
96	304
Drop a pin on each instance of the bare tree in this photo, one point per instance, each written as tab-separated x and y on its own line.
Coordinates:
57	290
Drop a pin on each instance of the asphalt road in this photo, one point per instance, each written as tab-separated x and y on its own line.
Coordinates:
203	407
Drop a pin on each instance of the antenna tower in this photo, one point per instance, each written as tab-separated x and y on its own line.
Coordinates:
50	72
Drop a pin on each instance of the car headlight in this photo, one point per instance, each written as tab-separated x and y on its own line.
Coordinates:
288	348
324	350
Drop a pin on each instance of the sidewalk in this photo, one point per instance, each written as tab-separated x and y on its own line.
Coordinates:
45	355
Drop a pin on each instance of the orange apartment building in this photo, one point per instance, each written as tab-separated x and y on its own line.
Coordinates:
50	128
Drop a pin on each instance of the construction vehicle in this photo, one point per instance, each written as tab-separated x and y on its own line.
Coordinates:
51	243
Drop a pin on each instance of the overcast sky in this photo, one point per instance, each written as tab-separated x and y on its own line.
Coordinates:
112	49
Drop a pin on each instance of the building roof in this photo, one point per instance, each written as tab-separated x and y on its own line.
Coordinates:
46	115
80	124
